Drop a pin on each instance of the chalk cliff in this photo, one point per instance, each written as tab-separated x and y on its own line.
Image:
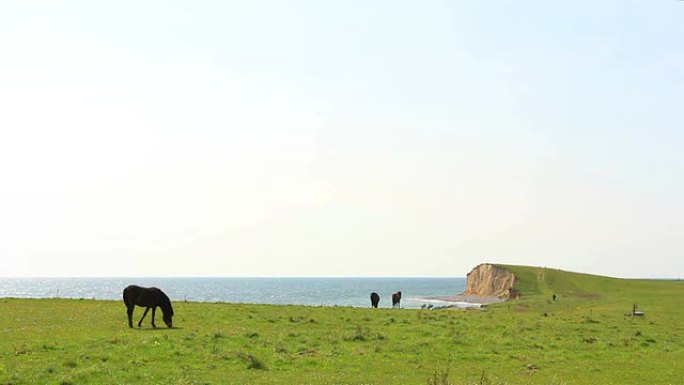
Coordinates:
487	280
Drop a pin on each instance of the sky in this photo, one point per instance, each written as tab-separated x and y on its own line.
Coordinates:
348	138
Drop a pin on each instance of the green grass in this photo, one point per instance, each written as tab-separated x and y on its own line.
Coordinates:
583	338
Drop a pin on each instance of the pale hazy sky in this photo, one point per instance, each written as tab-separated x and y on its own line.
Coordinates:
347	138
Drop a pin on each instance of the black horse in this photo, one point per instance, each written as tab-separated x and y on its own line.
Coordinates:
396	299
375	299
149	298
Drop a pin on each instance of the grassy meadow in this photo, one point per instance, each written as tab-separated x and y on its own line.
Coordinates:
583	338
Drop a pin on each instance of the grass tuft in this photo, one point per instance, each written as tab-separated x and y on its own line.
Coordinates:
252	361
439	377
218	335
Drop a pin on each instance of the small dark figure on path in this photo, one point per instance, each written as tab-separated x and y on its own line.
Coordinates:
149	298
555	298
396	299
375	299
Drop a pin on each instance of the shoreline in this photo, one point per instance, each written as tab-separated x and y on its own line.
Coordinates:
467	299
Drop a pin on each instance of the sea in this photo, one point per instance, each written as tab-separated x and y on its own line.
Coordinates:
352	292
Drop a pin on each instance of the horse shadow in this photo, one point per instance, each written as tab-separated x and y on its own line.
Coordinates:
158	329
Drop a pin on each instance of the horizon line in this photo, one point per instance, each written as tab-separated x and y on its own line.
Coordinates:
223	276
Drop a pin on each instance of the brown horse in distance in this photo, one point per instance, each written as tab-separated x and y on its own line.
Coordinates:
396	299
149	298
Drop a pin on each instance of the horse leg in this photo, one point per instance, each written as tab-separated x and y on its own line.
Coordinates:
154	310
143	317
129	311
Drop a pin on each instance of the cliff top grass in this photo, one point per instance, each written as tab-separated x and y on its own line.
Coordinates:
583	338
538	284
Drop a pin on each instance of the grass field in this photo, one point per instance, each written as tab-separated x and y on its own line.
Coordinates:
583	338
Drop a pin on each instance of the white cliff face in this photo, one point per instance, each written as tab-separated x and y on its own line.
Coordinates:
487	280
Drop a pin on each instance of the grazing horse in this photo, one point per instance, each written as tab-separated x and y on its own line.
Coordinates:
149	298
375	299
396	299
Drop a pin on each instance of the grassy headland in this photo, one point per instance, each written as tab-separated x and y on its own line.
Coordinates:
583	338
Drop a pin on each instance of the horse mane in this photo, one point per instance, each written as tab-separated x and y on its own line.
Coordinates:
165	303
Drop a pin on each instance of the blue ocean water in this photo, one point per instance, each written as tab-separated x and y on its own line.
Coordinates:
353	292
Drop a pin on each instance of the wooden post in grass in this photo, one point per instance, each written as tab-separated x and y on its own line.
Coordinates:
637	313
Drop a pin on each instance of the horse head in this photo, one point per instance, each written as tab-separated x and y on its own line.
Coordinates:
167	309
168	319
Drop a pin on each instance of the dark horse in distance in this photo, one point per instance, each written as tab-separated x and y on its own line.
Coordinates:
375	299
149	298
